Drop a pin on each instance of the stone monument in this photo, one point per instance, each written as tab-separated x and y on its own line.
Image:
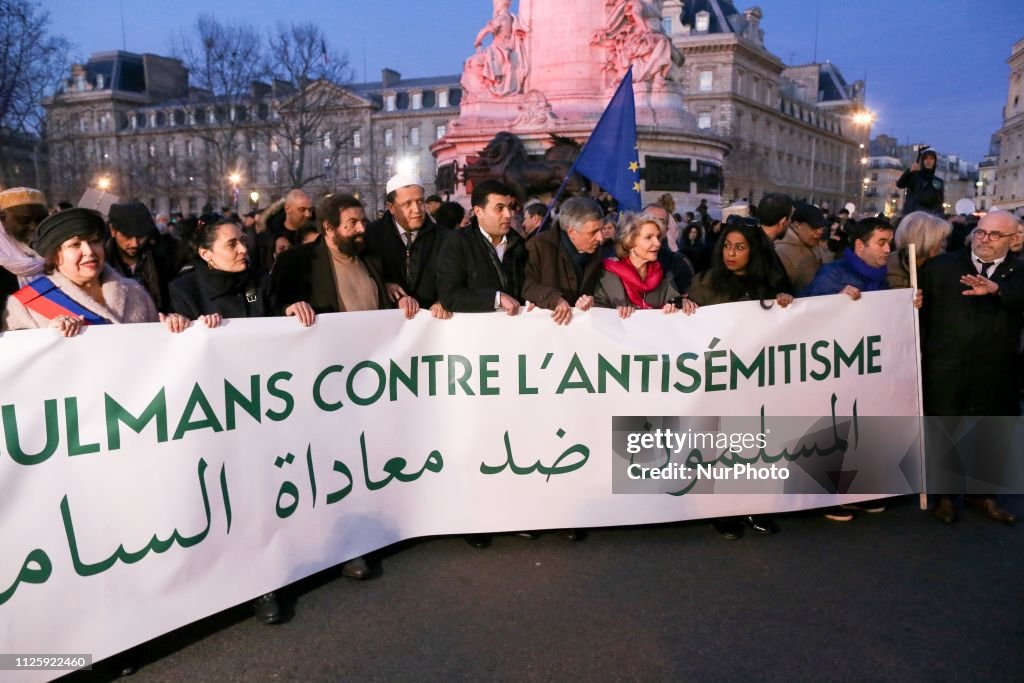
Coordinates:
550	68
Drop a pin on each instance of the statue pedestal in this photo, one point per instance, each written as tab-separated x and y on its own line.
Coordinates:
569	84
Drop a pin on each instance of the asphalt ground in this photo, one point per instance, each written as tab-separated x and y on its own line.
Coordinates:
890	596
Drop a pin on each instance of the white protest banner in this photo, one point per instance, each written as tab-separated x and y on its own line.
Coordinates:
148	480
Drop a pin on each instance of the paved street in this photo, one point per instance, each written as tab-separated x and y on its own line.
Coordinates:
893	596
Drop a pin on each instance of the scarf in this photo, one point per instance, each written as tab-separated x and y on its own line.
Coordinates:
634	286
875	276
18	259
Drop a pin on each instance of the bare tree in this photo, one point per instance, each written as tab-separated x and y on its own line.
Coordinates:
314	122
32	62
224	62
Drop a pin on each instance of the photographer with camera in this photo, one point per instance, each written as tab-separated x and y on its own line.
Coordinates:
924	188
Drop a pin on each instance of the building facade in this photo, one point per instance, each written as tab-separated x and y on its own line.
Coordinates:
792	128
132	125
1008	190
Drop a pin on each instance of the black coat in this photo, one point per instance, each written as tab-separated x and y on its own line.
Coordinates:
234	295
383	241
305	273
8	285
969	344
925	191
468	275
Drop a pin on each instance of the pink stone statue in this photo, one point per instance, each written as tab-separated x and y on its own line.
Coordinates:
633	36
502	67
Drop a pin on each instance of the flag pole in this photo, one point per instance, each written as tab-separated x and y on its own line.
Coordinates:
572	169
923	497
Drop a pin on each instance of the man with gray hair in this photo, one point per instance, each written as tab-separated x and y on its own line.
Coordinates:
563	266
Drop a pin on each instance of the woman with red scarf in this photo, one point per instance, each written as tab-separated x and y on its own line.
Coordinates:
635	279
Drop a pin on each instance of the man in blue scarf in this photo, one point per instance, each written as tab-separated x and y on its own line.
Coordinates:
861	267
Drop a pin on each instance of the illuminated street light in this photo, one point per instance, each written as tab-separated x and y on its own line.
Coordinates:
103	183
254	199
864	117
234	179
407	165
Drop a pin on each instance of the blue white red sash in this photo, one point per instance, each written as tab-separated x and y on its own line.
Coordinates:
44	297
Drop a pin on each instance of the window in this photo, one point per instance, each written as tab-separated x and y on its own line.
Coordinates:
273	144
389	139
417	100
273	171
252	145
170	149
327	166
389	166
414	136
441	131
704	120
703	22
188	148
442	98
389	102
357	139
357	168
706	79
327	140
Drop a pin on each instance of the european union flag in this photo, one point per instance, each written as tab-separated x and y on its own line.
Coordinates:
610	158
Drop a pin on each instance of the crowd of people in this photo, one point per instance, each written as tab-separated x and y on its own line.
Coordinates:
73	267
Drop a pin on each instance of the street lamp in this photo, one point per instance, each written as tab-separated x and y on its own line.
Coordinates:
103	183
254	198
234	178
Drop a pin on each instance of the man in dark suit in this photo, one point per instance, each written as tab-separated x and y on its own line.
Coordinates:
481	267
407	241
971	324
331	275
563	267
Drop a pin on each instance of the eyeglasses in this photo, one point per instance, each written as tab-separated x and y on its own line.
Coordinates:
991	235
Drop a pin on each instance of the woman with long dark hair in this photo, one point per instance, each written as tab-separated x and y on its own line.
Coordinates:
741	270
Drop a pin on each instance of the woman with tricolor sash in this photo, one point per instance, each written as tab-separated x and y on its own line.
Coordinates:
77	288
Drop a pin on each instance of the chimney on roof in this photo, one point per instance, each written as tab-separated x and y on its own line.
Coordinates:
389	77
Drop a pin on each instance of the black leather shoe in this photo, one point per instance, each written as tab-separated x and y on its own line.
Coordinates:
991	509
728	527
479	541
266	609
761	525
356	569
945	511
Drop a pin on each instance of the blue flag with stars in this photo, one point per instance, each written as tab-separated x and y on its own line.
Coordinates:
610	158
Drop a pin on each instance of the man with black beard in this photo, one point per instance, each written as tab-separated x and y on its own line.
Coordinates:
331	274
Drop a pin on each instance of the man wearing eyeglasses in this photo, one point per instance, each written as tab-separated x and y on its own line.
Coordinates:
971	324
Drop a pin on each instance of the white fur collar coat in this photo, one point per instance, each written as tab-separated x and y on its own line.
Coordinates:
126	302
